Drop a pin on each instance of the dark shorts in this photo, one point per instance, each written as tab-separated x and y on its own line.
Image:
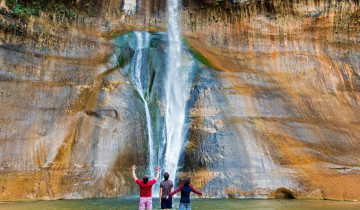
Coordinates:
166	204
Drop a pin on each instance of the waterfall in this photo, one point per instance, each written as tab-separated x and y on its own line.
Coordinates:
139	67
129	6
176	93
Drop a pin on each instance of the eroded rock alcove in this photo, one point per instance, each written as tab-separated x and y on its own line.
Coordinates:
275	102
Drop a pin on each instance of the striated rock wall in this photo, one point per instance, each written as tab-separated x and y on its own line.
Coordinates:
276	104
290	74
70	124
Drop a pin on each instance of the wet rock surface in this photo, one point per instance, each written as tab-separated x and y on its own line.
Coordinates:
275	104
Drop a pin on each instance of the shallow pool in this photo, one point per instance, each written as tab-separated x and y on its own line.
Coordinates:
121	203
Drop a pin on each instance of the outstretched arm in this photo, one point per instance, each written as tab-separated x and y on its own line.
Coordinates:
176	191
133	173
157	173
195	191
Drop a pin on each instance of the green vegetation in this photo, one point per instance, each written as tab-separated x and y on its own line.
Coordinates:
197	54
62	10
23	7
122	60
27	8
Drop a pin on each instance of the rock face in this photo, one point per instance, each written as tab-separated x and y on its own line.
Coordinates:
70	124
290	75
274	109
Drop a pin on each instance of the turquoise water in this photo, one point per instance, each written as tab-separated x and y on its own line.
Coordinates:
207	204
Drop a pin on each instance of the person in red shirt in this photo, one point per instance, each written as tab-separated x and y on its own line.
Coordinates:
145	188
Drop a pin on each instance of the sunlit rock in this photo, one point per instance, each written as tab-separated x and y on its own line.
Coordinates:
273	109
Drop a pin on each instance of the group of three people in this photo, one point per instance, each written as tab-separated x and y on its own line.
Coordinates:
166	191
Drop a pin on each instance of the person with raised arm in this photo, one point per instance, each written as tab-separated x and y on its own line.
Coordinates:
145	188
185	189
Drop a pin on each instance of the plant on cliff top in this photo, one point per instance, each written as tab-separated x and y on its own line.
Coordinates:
20	7
67	8
29	7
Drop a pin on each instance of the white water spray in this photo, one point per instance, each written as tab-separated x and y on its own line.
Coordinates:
176	92
143	39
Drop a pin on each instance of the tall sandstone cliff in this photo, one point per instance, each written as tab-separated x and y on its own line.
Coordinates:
277	104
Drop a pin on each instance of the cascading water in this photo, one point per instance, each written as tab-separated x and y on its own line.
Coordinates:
165	139
163	78
176	93
160	69
140	66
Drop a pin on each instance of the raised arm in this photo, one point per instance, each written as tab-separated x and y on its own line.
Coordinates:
133	173
157	173
176	191
195	191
